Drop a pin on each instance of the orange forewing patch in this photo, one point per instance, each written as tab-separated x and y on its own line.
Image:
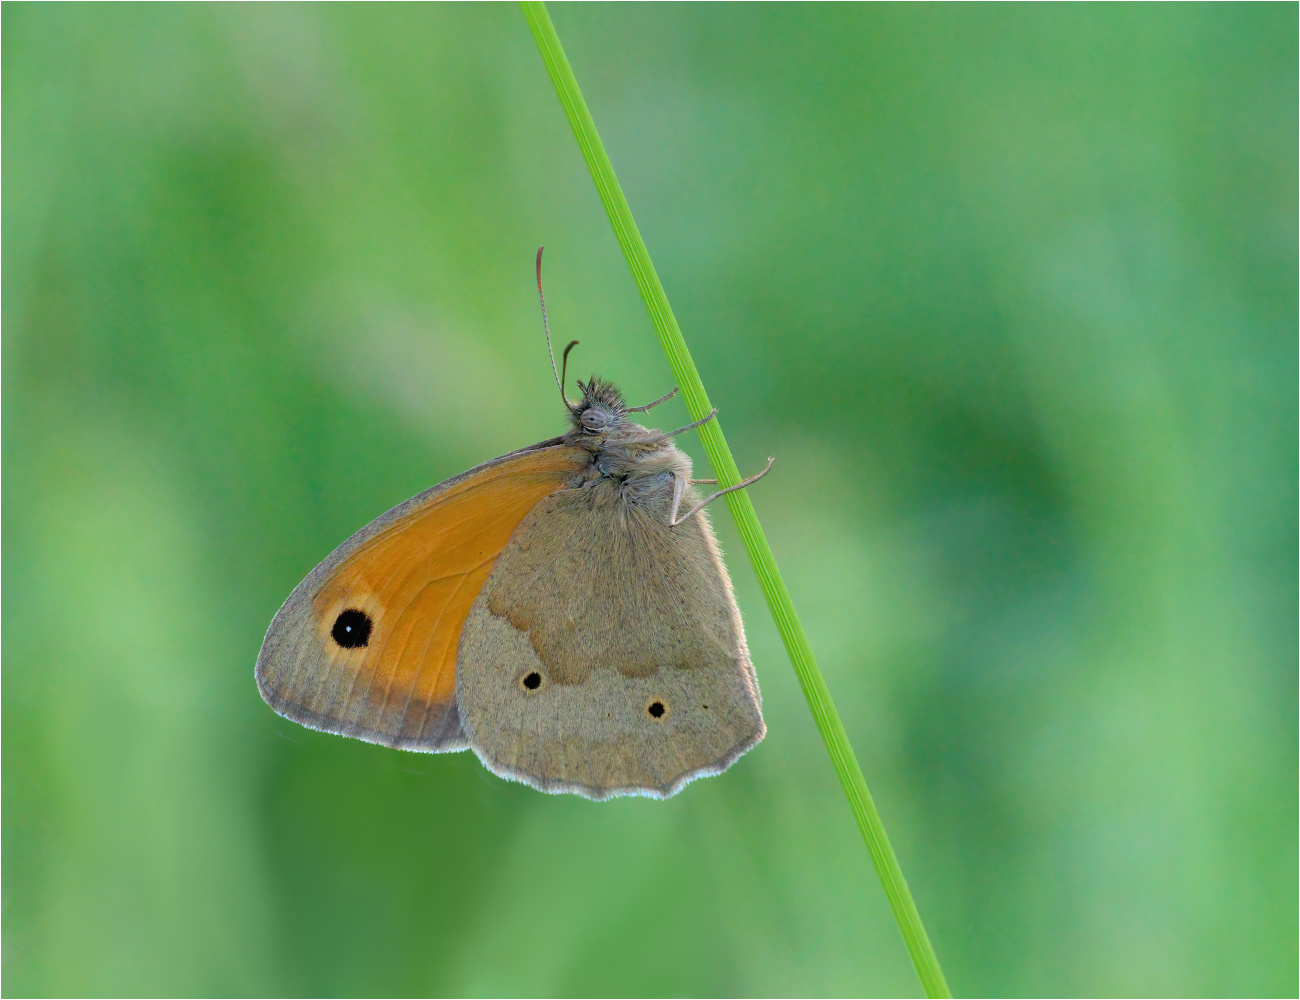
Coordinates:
416	579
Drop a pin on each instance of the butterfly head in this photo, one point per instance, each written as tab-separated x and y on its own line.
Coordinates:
601	409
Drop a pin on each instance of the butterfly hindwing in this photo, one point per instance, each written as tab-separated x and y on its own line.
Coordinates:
605	653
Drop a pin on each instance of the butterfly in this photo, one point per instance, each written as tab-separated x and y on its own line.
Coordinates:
554	610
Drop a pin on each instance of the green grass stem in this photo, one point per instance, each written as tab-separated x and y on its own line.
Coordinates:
742	509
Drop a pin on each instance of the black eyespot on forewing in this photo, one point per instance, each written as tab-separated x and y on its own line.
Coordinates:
656	709
532	681
352	629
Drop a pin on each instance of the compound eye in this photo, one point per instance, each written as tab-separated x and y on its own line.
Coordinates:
594	419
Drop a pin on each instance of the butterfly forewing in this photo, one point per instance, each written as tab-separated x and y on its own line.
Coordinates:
366	645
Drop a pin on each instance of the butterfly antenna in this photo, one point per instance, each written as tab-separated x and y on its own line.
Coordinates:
559	381
564	370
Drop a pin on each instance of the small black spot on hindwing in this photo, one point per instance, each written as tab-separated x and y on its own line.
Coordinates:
532	681
656	709
352	629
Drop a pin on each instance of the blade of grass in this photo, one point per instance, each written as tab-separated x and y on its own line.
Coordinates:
742	509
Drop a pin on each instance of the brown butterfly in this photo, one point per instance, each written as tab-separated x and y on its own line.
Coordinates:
551	609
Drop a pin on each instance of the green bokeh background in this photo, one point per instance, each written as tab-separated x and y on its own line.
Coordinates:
1009	291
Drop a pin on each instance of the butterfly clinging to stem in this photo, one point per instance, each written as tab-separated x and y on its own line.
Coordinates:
562	610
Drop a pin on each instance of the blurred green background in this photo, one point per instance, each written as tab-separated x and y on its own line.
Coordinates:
1009	291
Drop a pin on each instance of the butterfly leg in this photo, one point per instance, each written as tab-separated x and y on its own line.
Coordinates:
679	487
689	427
658	438
648	406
